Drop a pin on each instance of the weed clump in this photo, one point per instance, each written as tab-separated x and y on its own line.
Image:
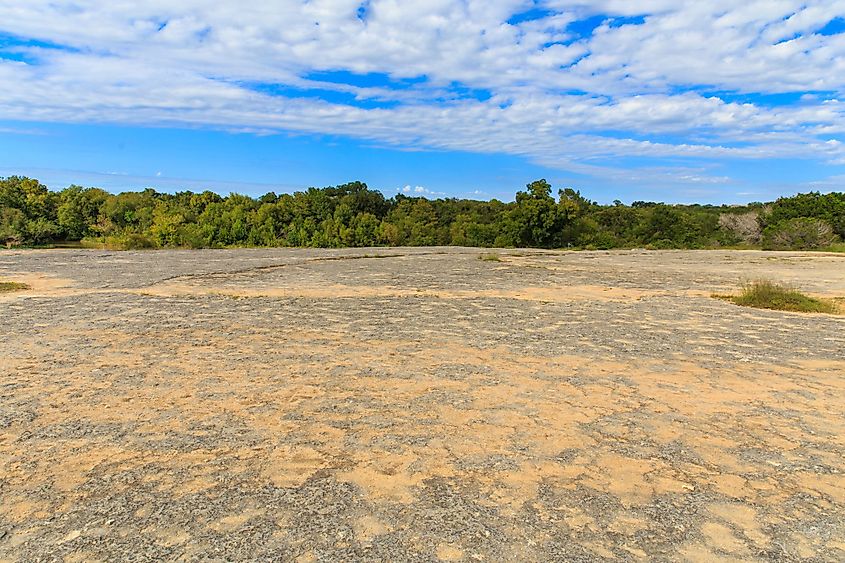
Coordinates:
766	294
490	258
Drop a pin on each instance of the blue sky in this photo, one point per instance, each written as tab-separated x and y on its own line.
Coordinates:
676	100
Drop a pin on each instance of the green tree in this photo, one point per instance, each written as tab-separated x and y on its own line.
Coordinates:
166	226
29	196
79	210
537	220
12	226
801	233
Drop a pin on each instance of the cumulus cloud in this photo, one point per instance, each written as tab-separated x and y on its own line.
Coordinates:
571	84
419	191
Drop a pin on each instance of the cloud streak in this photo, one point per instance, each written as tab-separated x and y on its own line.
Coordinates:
574	85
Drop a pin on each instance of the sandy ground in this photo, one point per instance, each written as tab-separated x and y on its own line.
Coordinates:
418	405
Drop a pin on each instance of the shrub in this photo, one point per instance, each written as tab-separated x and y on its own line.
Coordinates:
136	242
803	233
744	226
120	242
662	244
827	207
603	240
41	231
12	226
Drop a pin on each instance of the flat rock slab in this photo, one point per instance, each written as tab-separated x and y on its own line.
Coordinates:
418	405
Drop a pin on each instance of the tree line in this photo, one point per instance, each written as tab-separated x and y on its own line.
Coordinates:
352	215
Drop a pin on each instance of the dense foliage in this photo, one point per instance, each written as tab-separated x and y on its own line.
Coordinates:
353	215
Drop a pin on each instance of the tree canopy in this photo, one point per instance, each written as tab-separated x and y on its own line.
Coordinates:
352	215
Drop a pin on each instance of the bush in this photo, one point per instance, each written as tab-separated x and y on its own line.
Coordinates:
195	236
662	244
828	207
745	227
603	240
12	226
120	242
136	242
765	294
41	231
803	233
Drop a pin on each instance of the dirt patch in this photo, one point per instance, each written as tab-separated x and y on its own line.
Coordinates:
33	285
338	291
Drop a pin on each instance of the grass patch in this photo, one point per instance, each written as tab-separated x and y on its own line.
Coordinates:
490	257
6	287
835	247
766	294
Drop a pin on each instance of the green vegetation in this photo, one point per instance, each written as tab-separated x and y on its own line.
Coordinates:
765	294
12	286
352	215
801	233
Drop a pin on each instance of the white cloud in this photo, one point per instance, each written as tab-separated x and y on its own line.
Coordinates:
831	183
120	181
534	89
419	191
22	131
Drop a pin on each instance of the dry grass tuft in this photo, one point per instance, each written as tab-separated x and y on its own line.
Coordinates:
6	287
766	294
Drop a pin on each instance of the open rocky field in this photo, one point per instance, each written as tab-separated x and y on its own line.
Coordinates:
418	405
